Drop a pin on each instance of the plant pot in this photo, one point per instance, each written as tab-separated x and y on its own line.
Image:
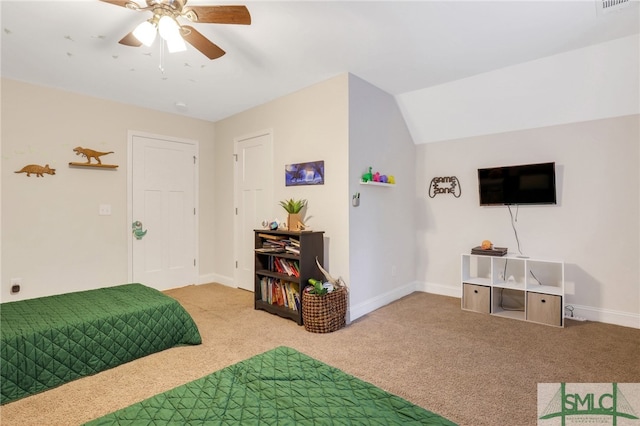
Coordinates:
293	221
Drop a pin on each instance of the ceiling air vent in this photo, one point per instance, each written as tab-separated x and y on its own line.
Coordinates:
608	6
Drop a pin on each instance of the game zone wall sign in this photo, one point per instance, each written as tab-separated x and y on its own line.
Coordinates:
445	185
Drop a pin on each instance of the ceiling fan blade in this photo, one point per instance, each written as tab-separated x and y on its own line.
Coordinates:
218	14
200	42
130	40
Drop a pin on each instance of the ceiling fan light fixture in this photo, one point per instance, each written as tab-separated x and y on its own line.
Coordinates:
168	28
146	33
176	45
170	31
165	21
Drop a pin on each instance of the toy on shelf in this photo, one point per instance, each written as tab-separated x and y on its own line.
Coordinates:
367	177
377	177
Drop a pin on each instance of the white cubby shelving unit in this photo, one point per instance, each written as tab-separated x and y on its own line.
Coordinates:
515	287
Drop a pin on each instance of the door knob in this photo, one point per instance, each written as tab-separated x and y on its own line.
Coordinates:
137	230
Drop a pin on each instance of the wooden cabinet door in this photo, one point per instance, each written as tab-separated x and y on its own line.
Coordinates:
476	298
544	308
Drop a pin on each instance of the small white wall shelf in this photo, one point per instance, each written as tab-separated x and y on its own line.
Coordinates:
377	183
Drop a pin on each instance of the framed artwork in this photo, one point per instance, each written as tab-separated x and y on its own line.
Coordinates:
311	173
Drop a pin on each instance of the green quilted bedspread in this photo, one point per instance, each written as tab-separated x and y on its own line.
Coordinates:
279	387
52	340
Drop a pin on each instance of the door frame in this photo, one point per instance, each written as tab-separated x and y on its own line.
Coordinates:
130	135
236	236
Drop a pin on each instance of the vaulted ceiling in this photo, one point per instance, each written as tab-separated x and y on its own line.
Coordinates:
397	46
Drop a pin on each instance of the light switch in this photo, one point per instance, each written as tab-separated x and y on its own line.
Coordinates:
105	210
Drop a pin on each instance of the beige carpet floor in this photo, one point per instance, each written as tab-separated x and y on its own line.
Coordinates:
471	368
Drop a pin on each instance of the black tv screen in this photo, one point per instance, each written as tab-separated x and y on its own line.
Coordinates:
523	184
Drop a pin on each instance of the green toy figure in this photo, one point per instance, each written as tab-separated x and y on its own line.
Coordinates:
367	177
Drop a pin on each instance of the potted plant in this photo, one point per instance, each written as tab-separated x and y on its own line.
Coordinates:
293	208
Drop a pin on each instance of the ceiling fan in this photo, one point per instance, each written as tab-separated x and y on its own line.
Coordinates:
165	22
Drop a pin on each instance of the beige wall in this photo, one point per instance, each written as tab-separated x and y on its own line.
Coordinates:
308	125
54	239
382	228
594	227
52	235
351	125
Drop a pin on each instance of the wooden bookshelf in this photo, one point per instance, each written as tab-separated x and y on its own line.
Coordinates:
284	262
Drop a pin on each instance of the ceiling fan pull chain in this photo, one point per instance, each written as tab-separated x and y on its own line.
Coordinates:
161	65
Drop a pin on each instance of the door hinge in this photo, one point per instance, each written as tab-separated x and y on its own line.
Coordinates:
194	210
235	157
236	264
194	262
194	159
236	211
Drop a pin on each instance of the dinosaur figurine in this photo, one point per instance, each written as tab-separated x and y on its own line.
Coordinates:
37	170
137	230
90	153
367	177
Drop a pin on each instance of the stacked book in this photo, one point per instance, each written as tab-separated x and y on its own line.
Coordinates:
293	246
279	244
495	251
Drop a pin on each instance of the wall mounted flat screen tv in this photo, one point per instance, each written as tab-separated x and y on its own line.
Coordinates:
522	184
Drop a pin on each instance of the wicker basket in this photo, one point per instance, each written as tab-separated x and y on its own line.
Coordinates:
326	313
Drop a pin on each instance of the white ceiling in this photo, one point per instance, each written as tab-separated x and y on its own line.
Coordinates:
396	46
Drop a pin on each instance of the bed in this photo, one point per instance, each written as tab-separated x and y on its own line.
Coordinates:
48	341
278	387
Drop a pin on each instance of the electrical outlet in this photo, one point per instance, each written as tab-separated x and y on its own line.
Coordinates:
575	318
104	210
15	285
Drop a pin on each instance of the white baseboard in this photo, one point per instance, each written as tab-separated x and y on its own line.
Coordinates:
608	316
354	312
216	278
441	289
361	309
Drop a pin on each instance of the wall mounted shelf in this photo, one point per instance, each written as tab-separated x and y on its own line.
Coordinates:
95	166
377	183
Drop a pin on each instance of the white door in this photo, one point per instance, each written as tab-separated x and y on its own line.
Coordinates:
253	199
163	177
